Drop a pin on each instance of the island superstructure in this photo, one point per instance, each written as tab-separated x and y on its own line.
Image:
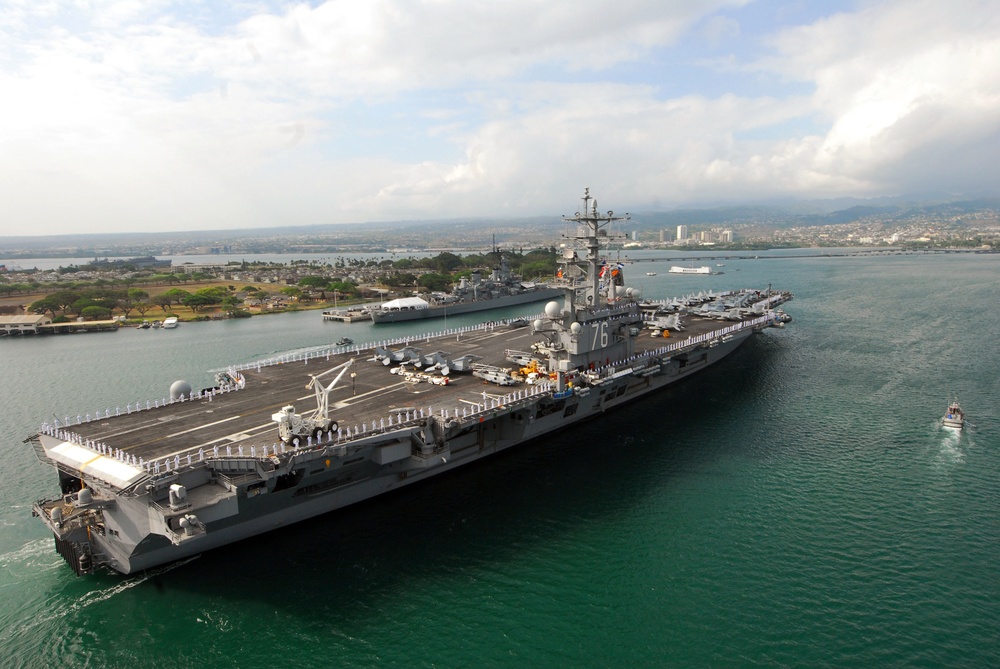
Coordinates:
160	481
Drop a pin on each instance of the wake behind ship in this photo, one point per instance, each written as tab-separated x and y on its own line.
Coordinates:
158	482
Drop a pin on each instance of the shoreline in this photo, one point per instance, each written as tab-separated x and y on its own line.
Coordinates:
183	314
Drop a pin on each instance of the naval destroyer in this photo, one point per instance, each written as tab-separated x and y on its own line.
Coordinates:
501	289
160	481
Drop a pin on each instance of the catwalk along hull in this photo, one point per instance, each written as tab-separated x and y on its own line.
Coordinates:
155	483
456	308
235	498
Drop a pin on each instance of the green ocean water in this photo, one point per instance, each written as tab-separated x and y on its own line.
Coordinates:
796	505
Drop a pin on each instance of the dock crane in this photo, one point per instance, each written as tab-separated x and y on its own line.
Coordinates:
292	425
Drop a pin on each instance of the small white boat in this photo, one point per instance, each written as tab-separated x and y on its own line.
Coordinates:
170	322
650	273
954	417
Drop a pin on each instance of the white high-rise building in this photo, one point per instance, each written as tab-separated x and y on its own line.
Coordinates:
682	232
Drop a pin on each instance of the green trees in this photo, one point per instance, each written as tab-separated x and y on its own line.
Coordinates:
232	306
163	301
130	298
64	298
344	287
95	313
432	281
205	297
446	262
535	263
176	295
320	282
397	279
46	305
74	302
79	305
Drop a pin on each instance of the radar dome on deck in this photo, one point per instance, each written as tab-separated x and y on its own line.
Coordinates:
538	324
553	310
575	328
179	388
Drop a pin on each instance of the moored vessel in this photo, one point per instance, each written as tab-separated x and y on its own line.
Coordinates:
501	289
157	482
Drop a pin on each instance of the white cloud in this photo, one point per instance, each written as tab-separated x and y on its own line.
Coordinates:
142	116
897	79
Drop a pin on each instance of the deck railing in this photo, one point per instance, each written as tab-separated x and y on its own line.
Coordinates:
393	421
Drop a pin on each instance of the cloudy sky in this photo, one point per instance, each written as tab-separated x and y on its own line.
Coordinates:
132	115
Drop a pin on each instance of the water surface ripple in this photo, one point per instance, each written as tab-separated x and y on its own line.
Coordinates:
796	506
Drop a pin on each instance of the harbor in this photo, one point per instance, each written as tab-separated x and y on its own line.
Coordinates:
742	414
731	467
135	497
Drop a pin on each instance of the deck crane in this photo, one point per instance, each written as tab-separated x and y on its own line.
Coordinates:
292	425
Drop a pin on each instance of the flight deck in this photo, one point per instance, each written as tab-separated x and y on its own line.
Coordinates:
371	394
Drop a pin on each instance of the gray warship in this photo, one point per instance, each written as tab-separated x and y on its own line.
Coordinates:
502	288
162	481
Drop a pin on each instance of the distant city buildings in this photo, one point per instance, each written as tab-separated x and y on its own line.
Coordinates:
942	226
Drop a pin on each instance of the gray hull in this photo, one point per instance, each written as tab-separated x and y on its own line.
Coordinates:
160	482
465	307
141	532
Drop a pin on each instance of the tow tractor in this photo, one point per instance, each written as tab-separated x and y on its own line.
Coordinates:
292	425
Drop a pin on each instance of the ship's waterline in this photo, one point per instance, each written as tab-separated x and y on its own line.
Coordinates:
164	481
798	504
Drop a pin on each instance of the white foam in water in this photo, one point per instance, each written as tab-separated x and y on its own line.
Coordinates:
40	548
950	443
98	596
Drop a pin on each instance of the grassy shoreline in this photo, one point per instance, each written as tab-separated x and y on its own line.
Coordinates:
186	314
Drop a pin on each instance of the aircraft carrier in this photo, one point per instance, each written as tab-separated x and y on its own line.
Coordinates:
283	440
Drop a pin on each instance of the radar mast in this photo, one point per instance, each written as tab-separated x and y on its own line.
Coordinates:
591	227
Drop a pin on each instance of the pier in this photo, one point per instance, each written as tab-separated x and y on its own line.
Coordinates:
349	316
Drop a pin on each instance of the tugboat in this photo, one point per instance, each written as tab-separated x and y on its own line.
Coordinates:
954	417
